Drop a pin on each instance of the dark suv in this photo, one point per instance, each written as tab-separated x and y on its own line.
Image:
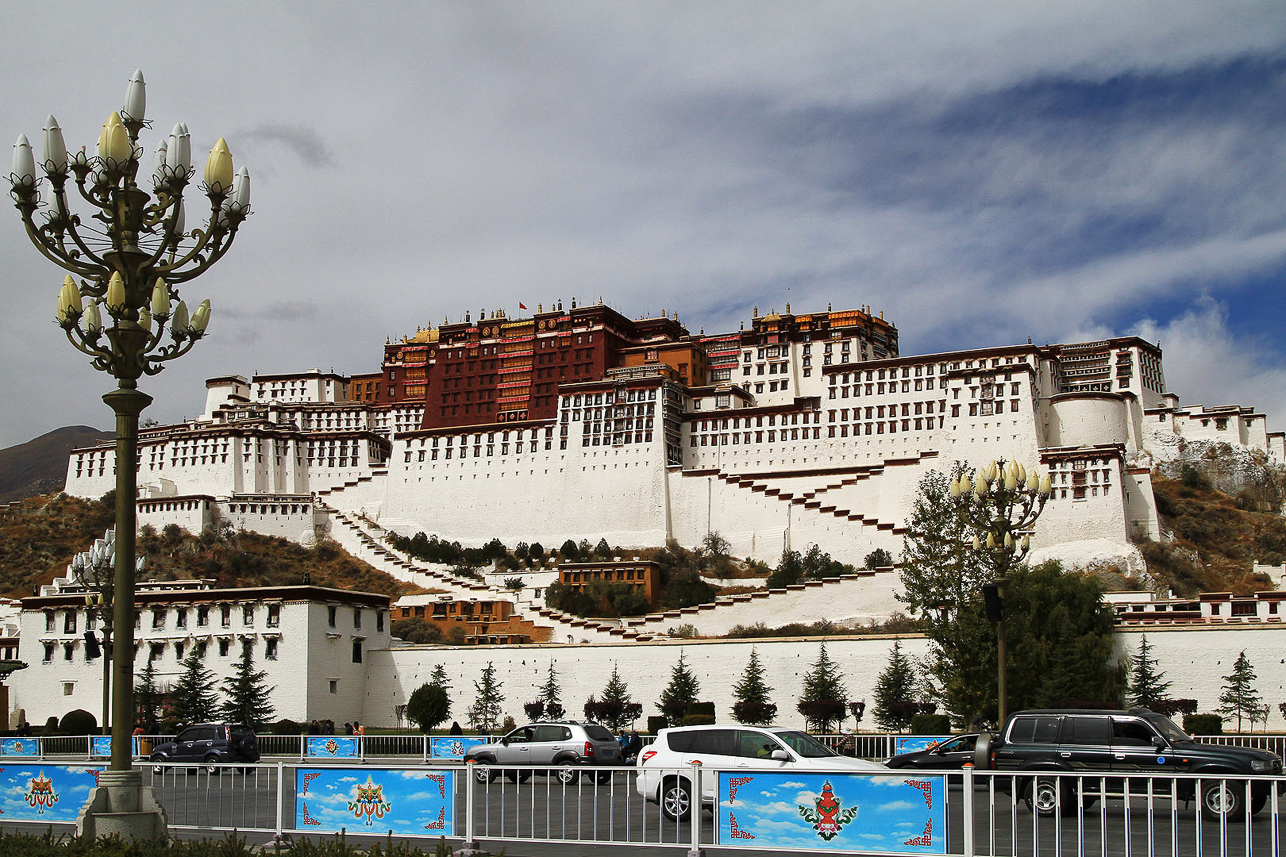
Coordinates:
561	747
1134	741
211	744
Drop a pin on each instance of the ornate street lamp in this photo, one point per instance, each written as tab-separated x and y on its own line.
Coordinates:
119	299
1001	506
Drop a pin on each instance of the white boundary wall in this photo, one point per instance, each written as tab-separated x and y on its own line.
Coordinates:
1194	660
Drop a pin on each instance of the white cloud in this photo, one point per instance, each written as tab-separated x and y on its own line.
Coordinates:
1210	365
918	157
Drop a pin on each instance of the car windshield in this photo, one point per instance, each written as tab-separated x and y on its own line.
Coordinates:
1168	730
598	733
805	745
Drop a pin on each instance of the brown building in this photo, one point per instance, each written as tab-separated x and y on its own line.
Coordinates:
634	572
483	622
502	370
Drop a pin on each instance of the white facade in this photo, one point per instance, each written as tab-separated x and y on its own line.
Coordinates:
810	442
314	643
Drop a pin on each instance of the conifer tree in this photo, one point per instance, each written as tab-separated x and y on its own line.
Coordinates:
616	707
1147	689
551	696
193	694
1239	698
825	699
147	696
484	714
753	706
438	678
246	696
681	692
895	692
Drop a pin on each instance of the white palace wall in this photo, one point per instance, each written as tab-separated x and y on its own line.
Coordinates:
1194	659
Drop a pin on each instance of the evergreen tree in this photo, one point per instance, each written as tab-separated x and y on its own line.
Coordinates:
246	696
616	707
825	699
484	714
193	695
1062	642
438	678
428	706
752	694
551	696
1239	698
147	696
682	691
895	692
1146	686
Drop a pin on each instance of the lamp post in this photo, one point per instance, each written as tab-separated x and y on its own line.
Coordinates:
1001	506
93	570
124	264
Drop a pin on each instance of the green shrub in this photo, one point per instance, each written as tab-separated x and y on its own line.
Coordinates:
1203	724
930	724
704	709
698	719
655	723
78	722
286	726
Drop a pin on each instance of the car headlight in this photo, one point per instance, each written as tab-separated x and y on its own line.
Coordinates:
1261	765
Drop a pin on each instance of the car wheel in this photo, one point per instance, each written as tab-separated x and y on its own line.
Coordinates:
676	798
514	775
1258	802
484	774
212	766
1042	796
158	770
1222	799
603	777
567	774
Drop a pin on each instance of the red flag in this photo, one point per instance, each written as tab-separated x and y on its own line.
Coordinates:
521	305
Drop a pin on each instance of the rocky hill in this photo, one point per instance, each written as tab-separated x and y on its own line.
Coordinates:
39	536
1214	538
40	466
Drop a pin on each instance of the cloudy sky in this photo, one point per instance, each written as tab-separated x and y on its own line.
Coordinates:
980	173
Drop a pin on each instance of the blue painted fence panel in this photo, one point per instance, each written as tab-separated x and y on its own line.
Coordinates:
20	747
100	746
452	747
44	792
406	802
792	810
916	743
332	747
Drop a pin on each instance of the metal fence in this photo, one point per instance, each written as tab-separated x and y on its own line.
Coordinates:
867	745
982	813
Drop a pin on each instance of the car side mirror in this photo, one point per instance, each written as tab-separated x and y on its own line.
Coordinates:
779	756
1158	743
504	741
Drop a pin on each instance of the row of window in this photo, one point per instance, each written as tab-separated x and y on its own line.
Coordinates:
160	616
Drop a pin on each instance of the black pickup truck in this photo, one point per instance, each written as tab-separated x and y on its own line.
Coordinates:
1094	743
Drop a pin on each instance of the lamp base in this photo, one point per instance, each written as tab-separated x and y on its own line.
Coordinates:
120	805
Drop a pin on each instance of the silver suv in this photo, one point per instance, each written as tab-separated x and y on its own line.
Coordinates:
561	747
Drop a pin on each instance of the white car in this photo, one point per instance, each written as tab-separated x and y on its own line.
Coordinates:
663	766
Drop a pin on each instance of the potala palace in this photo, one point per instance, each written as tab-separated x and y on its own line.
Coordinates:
799	429
796	430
